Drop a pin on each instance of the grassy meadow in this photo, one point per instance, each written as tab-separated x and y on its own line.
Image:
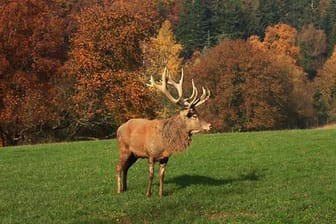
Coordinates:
257	177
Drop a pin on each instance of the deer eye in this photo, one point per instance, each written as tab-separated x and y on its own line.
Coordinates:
190	114
194	116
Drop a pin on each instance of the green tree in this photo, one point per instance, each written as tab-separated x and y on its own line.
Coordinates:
195	29
295	13
329	25
299	13
269	13
233	19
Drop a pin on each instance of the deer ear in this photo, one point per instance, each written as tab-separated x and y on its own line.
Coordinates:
184	113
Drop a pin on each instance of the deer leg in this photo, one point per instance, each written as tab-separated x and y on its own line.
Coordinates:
122	163
119	169
129	162
163	164
151	176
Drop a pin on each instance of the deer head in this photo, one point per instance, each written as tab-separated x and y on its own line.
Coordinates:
188	112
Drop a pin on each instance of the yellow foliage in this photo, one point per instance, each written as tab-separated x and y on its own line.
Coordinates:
281	38
163	51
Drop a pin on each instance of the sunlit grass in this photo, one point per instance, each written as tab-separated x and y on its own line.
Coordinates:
260	177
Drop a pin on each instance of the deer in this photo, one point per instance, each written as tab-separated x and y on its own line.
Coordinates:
158	139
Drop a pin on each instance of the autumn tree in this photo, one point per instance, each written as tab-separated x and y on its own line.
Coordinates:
162	51
280	42
31	50
281	38
313	47
106	87
250	91
174	9
326	91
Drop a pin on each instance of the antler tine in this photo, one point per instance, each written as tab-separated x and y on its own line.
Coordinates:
193	98
163	87
194	91
178	86
204	97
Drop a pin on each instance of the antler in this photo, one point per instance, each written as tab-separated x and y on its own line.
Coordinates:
191	102
163	87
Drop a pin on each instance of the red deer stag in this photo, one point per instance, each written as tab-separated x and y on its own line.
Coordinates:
157	140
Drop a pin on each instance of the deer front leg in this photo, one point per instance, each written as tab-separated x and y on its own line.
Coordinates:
151	176
163	164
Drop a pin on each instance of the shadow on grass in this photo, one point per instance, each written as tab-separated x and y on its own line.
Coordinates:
187	180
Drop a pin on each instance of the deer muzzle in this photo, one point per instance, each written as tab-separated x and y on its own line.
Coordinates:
204	126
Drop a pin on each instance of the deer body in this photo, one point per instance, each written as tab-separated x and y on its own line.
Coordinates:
156	140
143	138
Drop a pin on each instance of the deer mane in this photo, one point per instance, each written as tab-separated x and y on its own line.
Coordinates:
175	134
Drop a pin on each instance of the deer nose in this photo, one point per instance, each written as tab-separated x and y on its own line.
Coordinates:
207	126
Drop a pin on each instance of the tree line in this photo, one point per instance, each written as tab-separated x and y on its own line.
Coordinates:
73	69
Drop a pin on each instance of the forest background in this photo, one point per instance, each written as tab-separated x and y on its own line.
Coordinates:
77	69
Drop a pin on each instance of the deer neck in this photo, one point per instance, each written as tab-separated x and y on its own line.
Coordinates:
175	134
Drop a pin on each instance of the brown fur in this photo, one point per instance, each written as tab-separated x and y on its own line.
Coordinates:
175	134
156	140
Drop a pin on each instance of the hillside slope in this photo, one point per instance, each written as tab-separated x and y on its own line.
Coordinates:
258	177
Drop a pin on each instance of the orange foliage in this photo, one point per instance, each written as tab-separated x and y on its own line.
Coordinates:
256	84
103	69
250	91
281	39
31	50
280	44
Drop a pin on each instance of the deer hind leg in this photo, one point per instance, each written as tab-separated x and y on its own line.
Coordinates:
163	164
151	176
123	165
129	162
119	171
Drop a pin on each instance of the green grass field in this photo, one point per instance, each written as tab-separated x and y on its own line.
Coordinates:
259	177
